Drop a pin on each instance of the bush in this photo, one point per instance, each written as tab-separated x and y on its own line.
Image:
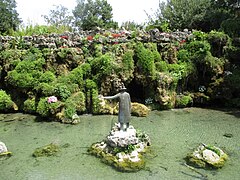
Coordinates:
46	109
29	106
145	61
183	101
5	101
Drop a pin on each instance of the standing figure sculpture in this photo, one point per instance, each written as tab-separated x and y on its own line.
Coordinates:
124	112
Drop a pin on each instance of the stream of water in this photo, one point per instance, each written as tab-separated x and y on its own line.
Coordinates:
173	133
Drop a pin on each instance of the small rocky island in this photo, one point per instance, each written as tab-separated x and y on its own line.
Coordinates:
123	150
207	156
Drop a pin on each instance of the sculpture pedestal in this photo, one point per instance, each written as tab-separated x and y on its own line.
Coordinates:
122	149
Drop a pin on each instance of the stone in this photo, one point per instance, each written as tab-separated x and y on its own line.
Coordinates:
139	109
3	148
122	149
118	138
206	156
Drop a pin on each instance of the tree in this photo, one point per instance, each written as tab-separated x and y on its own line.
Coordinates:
93	13
60	16
181	14
204	15
8	16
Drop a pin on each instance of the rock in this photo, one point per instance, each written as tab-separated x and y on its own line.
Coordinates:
139	110
206	156
122	150
3	148
118	138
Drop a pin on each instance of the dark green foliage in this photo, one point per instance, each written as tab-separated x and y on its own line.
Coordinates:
8	16
231	27
5	101
145	61
218	41
90	14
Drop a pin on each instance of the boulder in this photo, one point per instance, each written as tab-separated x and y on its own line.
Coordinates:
206	156
139	110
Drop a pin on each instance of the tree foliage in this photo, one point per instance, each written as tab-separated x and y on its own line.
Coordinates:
93	13
60	16
8	16
203	15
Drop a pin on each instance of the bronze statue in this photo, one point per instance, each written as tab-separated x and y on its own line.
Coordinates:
124	112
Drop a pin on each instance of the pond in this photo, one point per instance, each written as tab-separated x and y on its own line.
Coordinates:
174	134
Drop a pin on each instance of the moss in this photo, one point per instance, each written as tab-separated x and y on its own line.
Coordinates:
48	150
139	110
197	159
129	166
112	160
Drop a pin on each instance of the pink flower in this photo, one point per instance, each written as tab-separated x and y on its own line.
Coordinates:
52	99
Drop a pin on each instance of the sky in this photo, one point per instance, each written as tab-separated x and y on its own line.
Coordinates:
30	11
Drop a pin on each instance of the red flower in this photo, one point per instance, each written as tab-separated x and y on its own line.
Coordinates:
64	37
182	41
89	38
116	35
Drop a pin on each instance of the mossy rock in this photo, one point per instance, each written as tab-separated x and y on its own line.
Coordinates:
207	156
48	150
139	109
108	157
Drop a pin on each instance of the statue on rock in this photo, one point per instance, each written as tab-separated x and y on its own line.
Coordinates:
124	113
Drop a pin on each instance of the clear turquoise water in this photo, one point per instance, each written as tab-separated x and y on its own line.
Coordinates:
173	133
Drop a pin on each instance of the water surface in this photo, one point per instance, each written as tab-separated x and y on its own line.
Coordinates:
173	134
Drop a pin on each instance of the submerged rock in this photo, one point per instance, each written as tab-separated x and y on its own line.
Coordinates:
206	156
48	150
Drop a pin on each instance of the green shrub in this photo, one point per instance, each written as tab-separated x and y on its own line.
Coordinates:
62	91
5	101
45	89
183	101
102	66
231	27
46	109
27	72
161	66
29	106
145	61
78	101
47	77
